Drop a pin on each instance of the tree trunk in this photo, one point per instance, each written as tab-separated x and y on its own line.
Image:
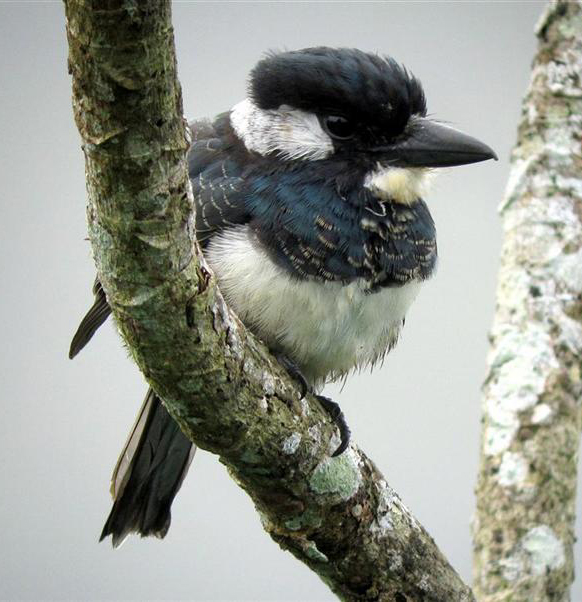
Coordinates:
524	526
337	515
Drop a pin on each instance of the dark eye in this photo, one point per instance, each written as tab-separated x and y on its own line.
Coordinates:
339	127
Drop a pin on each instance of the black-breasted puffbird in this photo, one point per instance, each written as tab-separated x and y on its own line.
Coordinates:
310	211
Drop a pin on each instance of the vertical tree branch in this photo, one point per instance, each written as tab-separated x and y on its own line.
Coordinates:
337	515
524	527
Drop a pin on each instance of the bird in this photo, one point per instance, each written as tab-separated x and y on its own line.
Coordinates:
309	204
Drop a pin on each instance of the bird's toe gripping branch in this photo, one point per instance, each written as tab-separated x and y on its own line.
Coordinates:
336	414
294	372
330	406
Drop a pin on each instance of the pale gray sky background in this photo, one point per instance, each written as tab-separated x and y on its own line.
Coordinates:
63	423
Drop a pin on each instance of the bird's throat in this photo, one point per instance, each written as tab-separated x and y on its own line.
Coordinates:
404	185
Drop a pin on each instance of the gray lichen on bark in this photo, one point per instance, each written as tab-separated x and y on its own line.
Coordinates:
337	515
524	525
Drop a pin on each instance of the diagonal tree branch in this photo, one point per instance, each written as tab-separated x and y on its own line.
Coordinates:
524	528
228	394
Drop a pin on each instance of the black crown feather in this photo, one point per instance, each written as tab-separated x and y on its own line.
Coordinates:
345	81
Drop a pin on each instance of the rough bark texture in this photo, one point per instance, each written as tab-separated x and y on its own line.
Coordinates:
337	515
524	527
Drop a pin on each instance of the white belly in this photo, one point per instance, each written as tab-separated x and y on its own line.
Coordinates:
326	328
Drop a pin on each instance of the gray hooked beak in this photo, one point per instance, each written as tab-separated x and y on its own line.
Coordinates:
431	144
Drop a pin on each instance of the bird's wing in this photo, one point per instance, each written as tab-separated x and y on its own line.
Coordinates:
216	172
218	196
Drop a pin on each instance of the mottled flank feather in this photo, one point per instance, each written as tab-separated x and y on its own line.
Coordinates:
327	328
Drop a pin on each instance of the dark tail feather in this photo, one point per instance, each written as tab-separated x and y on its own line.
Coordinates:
92	320
148	474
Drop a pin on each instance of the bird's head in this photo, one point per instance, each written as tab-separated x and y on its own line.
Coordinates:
322	103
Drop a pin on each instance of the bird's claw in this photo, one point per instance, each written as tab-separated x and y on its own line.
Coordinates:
330	406
336	414
294	373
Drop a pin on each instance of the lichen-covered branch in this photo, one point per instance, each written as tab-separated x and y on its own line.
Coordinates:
524	527
337	515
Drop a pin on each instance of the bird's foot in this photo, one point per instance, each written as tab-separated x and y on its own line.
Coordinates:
294	373
336	414
330	406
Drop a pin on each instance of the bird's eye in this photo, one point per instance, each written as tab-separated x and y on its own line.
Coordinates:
339	127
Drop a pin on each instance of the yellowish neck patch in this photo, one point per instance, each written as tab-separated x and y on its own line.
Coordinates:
399	184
